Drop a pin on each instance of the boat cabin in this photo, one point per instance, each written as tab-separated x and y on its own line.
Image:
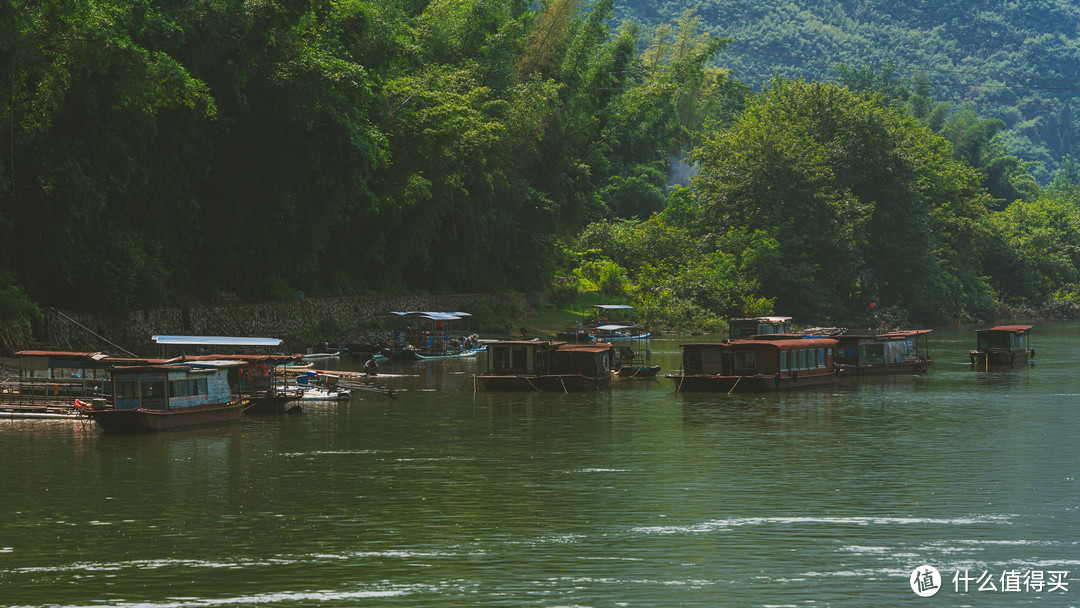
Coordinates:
585	359
893	351
515	357
758	326
175	386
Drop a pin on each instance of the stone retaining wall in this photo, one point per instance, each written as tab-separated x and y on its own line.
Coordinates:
299	323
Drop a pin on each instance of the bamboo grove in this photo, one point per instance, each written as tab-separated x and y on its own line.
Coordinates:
164	151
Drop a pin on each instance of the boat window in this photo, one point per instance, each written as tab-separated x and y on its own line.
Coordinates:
126	390
784	361
200	387
1017	340
519	359
821	357
745	359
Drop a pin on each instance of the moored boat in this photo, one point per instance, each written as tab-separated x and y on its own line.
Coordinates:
757	365
539	365
170	396
892	352
1003	345
578	367
631	360
516	365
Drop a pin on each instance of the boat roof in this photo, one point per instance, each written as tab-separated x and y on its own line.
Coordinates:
62	354
597	347
783	344
769	319
274	359
1010	328
434	316
612	306
215	341
615	327
889	335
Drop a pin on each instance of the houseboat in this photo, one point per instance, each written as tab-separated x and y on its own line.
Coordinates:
757	365
537	365
1004	345
578	367
170	396
893	352
516	365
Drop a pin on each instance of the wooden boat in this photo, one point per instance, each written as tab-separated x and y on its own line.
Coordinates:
1003	345
578	367
892	352
171	396
516	365
757	365
538	365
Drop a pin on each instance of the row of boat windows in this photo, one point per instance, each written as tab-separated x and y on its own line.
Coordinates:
77	373
804	358
130	389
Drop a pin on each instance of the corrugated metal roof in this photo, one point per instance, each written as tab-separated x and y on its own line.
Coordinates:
215	341
1020	329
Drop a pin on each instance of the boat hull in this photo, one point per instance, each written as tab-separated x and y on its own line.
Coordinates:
749	384
509	383
999	358
140	420
908	367
573	383
552	383
639	371
278	404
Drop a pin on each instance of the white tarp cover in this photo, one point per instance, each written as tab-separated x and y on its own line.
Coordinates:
215	341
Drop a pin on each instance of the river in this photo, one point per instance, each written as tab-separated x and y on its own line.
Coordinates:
636	496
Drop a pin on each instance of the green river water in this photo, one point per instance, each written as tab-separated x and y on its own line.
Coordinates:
636	496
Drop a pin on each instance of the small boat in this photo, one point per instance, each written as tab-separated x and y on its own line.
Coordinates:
757	365
171	396
631	360
1003	345
892	352
317	386
599	329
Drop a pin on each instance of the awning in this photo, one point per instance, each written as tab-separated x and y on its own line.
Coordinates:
215	341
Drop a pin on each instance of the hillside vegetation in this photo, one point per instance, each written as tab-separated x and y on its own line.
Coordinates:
165	152
1018	62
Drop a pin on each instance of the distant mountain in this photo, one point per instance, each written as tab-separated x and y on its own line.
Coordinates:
1017	61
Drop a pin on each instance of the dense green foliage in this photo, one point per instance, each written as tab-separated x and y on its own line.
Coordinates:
1018	62
159	151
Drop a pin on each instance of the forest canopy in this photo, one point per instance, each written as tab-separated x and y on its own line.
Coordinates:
161	152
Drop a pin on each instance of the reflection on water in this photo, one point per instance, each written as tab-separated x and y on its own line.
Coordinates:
636	496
